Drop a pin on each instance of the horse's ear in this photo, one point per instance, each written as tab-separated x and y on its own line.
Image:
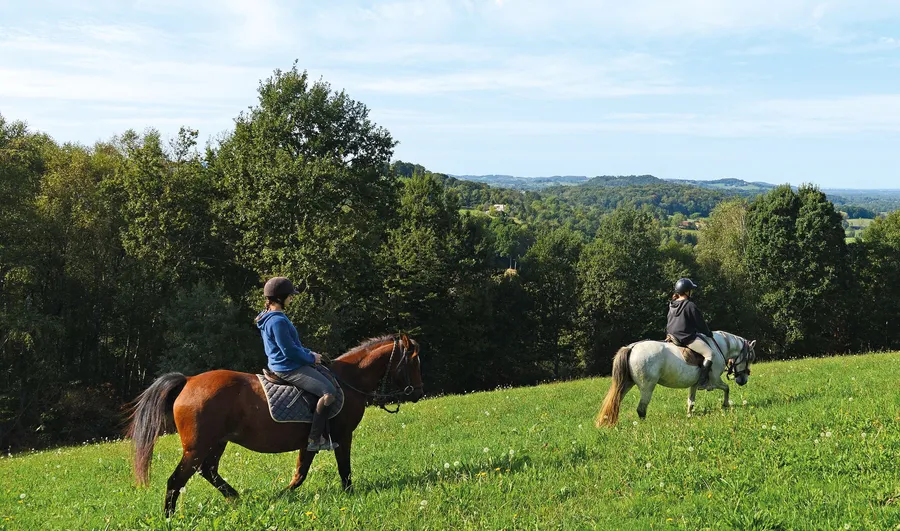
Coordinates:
415	349
404	340
753	343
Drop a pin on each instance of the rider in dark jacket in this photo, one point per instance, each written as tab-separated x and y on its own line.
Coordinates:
688	328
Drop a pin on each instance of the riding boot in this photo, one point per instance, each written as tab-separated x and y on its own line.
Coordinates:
704	374
315	431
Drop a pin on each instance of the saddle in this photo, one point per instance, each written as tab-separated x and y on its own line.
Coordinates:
289	404
690	357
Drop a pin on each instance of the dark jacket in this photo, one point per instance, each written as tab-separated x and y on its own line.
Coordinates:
282	342
685	320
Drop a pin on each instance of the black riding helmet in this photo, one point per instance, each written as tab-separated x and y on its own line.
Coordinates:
279	288
684	285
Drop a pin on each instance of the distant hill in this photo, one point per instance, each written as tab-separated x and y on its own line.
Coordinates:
536	183
524	183
878	201
734	185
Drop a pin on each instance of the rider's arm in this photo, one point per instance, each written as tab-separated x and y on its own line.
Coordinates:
281	329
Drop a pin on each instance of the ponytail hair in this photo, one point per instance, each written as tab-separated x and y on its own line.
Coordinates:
269	302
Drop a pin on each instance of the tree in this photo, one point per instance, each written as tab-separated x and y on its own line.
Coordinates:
796	260
727	295
621	288
550	276
876	264
305	192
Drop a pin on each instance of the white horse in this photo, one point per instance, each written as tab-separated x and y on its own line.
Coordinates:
647	363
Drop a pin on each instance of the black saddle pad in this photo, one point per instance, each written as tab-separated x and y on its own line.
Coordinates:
288	404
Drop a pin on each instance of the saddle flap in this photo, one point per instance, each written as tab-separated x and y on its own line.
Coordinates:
289	404
690	357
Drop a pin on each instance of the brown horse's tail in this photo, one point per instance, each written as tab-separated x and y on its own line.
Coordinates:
621	380
148	419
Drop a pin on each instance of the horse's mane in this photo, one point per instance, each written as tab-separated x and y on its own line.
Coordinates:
729	337
365	345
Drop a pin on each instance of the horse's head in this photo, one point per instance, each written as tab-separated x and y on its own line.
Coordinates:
405	368
741	366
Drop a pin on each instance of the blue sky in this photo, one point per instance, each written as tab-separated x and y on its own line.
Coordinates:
771	90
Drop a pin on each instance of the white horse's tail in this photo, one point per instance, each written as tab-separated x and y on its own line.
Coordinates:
621	383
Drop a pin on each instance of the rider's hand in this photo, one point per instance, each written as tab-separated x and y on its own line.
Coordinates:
318	357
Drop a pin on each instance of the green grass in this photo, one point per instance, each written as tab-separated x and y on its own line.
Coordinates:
809	444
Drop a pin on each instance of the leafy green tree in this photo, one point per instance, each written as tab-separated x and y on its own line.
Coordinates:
877	266
305	192
550	276
621	288
207	330
727	294
797	262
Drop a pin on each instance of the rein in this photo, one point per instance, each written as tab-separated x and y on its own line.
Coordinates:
379	397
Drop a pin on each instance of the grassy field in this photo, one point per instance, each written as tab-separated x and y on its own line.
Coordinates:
809	444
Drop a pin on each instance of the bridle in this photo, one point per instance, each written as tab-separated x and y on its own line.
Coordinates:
743	358
381	397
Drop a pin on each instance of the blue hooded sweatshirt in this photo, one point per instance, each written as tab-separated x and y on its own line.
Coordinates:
282	342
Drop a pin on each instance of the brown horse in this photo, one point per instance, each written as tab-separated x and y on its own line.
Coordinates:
214	408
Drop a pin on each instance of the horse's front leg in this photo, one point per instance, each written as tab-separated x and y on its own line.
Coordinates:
342	456
304	461
690	402
720	384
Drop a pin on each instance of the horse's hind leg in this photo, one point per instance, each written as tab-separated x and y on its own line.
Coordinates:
190	462
209	469
646	395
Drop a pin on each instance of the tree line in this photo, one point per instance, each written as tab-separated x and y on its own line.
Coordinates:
140	255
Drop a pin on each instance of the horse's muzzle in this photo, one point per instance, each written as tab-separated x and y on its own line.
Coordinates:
416	394
740	379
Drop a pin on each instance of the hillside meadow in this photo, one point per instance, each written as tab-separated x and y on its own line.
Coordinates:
808	444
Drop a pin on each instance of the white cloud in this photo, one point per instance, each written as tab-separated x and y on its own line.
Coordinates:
770	118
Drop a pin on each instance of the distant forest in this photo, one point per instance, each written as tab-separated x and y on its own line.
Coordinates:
140	255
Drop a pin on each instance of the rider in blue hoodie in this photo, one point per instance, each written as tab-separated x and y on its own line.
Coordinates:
290	360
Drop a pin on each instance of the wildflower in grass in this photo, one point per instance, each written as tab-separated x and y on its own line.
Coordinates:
690	448
661	484
828	434
423	503
22	496
456	463
774	428
816	441
863	435
649	465
343	508
850	399
745	402
511	452
764	426
446	465
635	423
846	526
486	449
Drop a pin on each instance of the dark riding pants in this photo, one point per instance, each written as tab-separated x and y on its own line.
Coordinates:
310	379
